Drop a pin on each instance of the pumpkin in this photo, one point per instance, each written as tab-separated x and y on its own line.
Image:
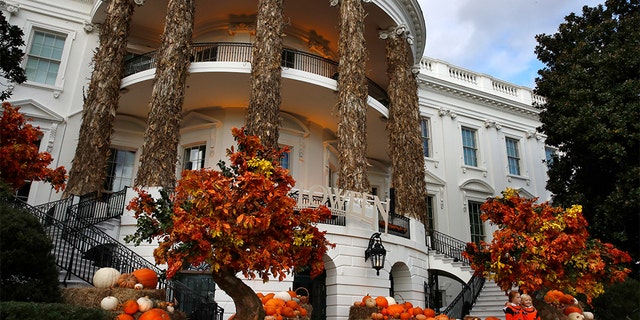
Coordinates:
377	316
382	302
270	310
127	280
147	277
138	286
366	296
124	316
405	316
283	295
287	312
430	313
144	304
106	277
390	301
442	316
130	306
109	303
292	304
420	317
155	314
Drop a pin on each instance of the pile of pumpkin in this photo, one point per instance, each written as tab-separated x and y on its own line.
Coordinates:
143	308
284	305
388	308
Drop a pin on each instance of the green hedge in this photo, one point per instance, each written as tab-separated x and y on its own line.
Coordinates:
11	310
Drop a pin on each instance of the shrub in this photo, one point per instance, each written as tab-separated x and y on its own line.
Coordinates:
50	311
27	269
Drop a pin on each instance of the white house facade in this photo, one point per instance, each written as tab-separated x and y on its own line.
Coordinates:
479	133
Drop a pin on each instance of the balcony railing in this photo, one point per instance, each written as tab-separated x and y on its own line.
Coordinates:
447	245
243	52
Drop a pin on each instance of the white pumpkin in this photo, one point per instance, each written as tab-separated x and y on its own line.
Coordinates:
144	304
109	303
283	295
390	301
106	277
138	286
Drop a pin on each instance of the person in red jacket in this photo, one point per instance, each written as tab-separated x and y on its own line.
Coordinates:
512	309
528	310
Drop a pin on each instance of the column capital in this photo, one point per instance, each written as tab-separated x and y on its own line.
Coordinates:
396	31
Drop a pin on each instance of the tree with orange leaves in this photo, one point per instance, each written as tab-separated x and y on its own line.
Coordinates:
239	219
541	247
20	158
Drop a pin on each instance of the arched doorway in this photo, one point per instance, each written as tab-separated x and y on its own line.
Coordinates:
316	289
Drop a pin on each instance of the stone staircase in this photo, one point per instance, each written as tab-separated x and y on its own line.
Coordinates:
490	302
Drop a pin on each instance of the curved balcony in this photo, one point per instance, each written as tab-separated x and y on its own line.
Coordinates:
242	52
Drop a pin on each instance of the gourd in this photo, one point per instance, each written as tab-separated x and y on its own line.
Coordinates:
130	306
106	277
155	314
420	317
144	304
430	313
109	303
127	280
124	316
370	302
147	277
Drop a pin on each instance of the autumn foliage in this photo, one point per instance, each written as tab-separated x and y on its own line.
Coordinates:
541	247
239	217
20	159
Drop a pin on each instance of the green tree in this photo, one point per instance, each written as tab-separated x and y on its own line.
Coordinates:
27	267
591	80
10	55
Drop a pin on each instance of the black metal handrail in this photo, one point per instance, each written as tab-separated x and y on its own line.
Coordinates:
243	52
447	245
462	304
82	251
93	208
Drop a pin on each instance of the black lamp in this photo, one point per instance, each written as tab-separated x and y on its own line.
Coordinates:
376	252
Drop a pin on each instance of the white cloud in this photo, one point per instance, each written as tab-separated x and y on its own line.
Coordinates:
495	37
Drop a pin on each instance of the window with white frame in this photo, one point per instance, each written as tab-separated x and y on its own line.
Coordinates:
469	147
477	227
430	219
513	156
194	157
119	169
426	137
44	57
285	160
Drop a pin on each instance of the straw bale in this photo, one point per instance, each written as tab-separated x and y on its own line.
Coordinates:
91	297
358	313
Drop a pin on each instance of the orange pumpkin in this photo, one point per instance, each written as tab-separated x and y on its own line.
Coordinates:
430	313
405	316
366	296
155	314
287	312
417	310
147	277
270	310
130	306
124	316
127	280
382	302
442	316
275	302
303	312
291	304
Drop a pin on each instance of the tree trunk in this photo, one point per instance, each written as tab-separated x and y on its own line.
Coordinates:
352	97
405	138
262	117
248	305
88	169
162	137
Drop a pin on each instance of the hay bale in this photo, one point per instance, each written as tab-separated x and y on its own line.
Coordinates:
91	297
357	313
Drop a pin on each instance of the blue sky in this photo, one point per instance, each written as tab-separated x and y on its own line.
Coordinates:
494	37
